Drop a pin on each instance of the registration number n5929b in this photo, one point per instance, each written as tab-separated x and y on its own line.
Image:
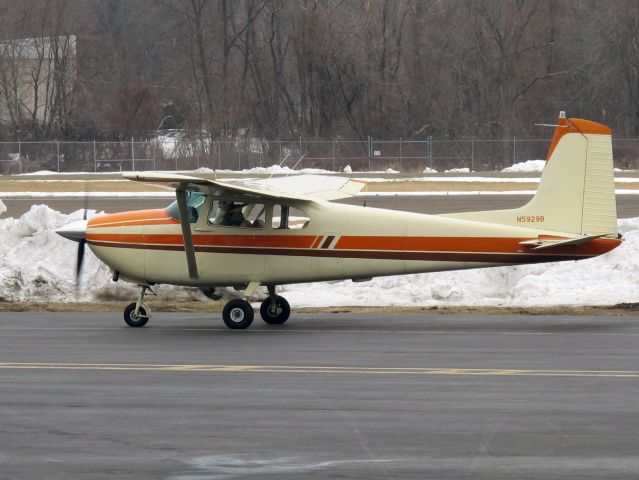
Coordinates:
530	218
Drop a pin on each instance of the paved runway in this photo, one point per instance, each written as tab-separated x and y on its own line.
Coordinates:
627	205
326	396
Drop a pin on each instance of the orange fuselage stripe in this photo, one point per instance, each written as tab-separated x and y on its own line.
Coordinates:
356	243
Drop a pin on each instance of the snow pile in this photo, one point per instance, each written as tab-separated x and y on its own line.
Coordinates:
3	207
459	170
429	170
348	169
529	166
272	170
38	265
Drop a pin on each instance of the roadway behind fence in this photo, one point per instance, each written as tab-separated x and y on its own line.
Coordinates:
335	155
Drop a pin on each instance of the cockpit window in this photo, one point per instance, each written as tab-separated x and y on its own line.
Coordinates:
227	213
194	204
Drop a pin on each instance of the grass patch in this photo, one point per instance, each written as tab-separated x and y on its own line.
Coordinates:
624	309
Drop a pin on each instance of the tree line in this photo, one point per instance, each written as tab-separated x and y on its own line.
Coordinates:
344	69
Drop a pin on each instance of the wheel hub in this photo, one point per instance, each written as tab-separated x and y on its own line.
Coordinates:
237	314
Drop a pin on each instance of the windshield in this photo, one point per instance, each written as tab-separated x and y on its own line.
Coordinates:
194	202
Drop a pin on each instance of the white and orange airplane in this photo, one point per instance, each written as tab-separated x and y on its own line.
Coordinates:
285	230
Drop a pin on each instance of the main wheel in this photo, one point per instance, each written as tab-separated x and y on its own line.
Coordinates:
275	313
237	314
133	320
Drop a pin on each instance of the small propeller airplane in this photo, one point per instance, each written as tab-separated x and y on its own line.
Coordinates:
285	230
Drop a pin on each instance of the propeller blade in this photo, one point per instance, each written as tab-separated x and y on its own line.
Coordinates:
80	260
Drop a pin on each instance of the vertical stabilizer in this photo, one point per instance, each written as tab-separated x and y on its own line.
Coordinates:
576	192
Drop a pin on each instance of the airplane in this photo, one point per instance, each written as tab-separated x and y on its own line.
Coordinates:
283	230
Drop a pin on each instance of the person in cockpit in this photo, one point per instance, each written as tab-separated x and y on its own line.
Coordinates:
233	216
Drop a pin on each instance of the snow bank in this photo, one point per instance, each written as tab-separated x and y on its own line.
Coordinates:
529	166
458	170
3	207
38	265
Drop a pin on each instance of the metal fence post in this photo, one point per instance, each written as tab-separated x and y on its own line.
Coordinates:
132	156
401	164
20	155
95	159
370	146
57	149
334	155
514	151
430	151
472	155
219	154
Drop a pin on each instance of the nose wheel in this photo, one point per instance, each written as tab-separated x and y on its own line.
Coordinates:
137	314
135	318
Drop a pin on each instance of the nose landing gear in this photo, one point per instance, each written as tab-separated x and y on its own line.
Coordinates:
137	314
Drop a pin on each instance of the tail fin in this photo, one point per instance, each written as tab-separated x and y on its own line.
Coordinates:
576	192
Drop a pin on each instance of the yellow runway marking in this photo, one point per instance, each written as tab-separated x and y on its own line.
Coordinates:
324	331
308	369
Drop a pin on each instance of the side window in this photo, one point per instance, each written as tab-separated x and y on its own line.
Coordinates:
286	217
228	213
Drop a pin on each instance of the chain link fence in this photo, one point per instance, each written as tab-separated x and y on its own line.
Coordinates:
406	156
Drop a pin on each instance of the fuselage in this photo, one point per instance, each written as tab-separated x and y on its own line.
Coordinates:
333	241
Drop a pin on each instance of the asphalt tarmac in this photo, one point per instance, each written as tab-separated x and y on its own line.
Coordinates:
627	205
325	396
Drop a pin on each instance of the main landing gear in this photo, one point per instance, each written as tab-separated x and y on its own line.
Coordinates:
238	313
137	314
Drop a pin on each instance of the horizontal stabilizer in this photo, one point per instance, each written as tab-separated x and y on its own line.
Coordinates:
542	242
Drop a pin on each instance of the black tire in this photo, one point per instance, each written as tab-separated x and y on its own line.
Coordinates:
135	321
238	314
212	293
281	313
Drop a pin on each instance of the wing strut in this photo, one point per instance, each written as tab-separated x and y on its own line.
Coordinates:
180	193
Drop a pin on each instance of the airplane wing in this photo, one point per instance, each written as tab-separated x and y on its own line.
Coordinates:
297	187
542	243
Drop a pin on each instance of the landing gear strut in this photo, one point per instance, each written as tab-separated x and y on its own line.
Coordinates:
275	310
137	314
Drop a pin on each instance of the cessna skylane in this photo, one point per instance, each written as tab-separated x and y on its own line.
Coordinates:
285	230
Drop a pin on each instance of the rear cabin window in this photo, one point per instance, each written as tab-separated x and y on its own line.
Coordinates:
286	217
227	213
